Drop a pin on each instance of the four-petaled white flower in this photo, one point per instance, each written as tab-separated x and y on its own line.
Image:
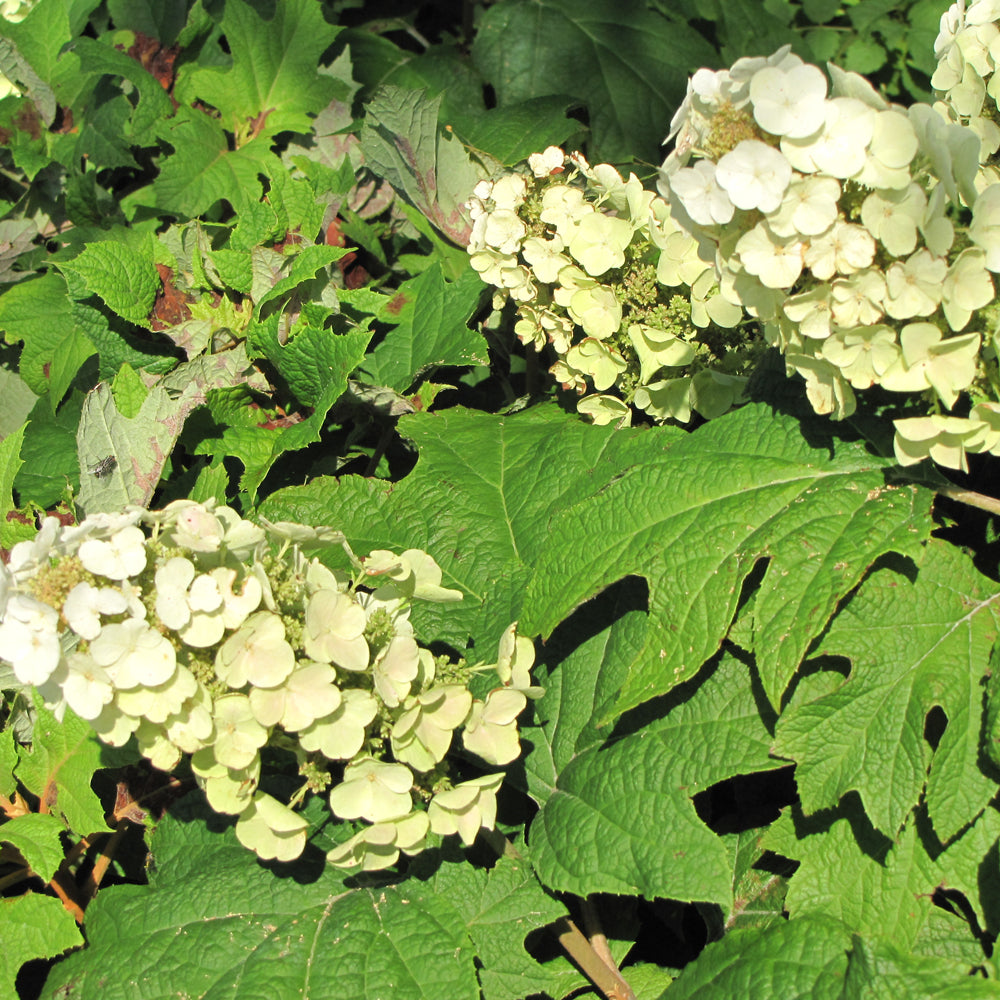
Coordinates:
789	102
85	604
334	630
754	175
121	556
467	808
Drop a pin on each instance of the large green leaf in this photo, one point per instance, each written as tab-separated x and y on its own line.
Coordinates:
34	926
59	767
152	104
912	646
123	457
695	522
479	501
124	277
433	330
316	362
879	969
204	169
214	923
402	142
794	960
162	21
877	887
51	466
272	85
628	64
40	313
622	819
582	668
512	133
499	908
41	39
38	837
10	464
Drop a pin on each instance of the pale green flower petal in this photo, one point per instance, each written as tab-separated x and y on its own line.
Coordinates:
467	808
271	830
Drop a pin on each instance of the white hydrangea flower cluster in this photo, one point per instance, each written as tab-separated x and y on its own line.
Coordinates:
968	50
590	261
842	223
13	11
198	633
16	11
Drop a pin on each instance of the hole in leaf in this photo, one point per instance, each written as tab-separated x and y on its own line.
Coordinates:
746	801
935	724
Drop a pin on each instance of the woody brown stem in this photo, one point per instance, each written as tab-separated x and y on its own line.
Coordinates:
607	980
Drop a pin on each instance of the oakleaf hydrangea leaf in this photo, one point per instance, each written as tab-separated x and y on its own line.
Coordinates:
758	894
875	886
967	865
41	40
880	969
512	133
8	761
621	818
34	926
160	21
124	277
433	331
736	490
581	681
212	917
40	313
36	836
300	268
402	142
49	451
153	102
272	84
316	363
205	169
500	907
479	501
58	770
122	458
796	960
628	63
16	402
912	645
10	463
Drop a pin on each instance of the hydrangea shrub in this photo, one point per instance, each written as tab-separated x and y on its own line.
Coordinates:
798	210
206	636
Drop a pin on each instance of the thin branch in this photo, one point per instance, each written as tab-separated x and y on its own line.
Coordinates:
101	865
595	934
609	982
14	877
970	498
61	890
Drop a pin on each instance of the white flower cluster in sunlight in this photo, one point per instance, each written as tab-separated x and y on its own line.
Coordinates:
590	262
15	11
855	231
968	49
195	632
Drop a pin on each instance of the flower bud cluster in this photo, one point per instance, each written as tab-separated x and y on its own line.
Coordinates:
590	261
853	230
195	632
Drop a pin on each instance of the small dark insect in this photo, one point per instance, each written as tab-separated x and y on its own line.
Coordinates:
104	466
